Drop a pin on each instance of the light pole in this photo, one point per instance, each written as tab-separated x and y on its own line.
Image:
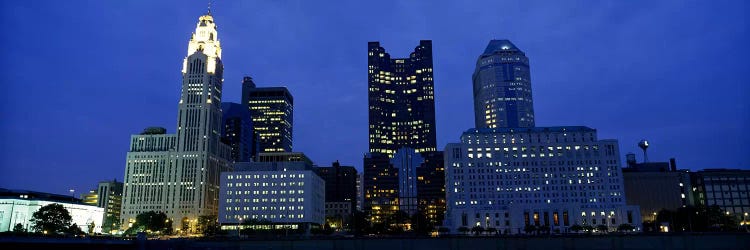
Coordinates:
239	222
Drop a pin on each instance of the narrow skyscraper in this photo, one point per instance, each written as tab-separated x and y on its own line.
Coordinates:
237	131
401	100
272	112
179	174
502	88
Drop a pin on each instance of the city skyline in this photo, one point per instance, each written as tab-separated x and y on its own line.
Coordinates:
589	101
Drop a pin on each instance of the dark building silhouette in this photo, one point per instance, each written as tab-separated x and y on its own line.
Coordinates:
341	192
431	187
727	188
401	100
271	110
237	131
502	87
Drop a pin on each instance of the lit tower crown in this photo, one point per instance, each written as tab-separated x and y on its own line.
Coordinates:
205	39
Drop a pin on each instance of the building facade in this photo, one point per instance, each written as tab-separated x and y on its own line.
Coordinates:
655	186
401	100
431	187
272	113
727	188
508	178
380	187
406	162
108	195
18	206
178	174
237	131
341	192
502	87
280	191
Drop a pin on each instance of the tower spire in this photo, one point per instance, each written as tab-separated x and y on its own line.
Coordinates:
209	8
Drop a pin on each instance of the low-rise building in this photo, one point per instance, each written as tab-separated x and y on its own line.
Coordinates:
280	191
556	177
18	207
727	188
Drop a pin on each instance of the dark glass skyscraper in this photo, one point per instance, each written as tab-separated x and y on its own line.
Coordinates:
237	131
401	100
502	87
271	110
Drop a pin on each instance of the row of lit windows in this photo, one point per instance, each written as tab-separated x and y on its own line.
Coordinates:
265	176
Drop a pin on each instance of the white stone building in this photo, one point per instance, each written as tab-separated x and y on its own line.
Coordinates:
281	191
178	174
508	178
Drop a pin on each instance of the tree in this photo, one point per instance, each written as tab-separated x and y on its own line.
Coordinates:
576	228
443	230
110	224
208	225
420	224
463	230
91	227
543	229
602	228
529	229
625	228
151	222
359	223
477	230
51	219
491	230
18	228
74	229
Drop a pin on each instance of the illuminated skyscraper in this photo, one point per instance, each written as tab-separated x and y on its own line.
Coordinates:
502	88
178	174
272	112
401	100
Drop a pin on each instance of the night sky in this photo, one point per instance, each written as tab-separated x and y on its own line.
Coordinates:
80	77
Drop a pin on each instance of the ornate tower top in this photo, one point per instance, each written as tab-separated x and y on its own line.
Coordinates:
205	39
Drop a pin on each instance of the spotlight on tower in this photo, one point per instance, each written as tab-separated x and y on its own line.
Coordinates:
643	144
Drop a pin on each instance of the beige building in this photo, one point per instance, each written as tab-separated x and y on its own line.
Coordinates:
178	174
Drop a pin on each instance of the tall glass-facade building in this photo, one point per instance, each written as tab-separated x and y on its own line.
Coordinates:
272	110
401	100
502	88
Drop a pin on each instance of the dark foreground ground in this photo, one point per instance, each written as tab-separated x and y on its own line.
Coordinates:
685	241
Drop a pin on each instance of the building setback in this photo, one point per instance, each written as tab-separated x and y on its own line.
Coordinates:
280	191
237	131
178	174
508	178
401	100
502	87
272	113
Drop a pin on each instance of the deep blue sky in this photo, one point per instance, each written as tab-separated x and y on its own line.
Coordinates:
80	77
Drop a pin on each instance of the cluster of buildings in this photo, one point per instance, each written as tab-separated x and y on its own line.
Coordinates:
235	160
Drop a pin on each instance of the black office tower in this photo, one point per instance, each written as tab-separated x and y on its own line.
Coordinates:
271	110
401	100
237	130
